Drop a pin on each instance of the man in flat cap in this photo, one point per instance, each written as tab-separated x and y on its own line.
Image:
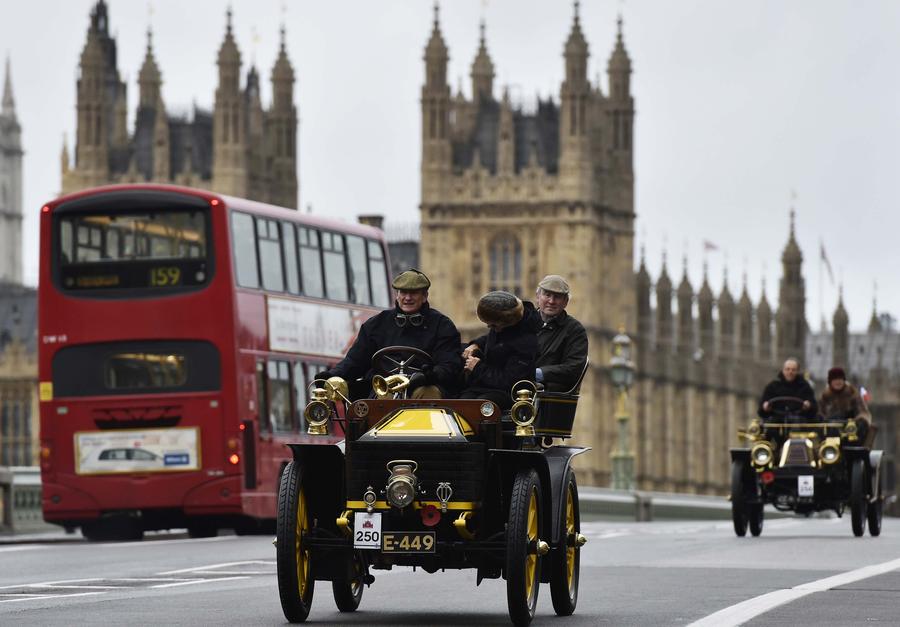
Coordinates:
411	322
496	361
562	340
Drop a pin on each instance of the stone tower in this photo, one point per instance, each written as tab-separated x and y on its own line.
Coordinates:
841	337
790	321
239	148
230	150
10	186
509	195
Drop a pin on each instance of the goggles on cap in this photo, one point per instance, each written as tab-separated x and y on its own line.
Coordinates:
414	319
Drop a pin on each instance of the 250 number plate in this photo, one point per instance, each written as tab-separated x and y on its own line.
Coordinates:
408	542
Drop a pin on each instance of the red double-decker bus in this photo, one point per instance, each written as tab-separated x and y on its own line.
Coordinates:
178	331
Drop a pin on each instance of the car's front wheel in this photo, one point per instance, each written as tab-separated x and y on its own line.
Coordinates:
875	510
756	515
295	574
858	497
738	504
523	533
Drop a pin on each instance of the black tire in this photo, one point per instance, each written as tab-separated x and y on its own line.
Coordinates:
756	514
348	594
875	511
858	497
202	530
112	530
738	506
295	573
566	559
523	564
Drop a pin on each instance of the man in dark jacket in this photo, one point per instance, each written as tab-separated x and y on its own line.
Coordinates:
496	361
789	383
411	322
562	340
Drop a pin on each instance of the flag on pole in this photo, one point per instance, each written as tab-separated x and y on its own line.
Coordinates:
708	246
825	260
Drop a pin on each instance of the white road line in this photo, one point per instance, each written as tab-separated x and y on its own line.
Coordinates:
50	596
212	566
29	547
742	612
193	581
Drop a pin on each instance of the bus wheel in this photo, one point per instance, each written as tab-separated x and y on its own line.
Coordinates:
202	530
295	574
523	532
348	594
565	560
112	530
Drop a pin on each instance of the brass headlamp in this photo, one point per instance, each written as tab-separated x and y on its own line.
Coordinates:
830	451
851	430
386	386
317	412
762	454
523	411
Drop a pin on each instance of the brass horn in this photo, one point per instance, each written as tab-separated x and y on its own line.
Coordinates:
337	389
385	386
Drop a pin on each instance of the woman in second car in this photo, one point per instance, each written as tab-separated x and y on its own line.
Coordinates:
507	354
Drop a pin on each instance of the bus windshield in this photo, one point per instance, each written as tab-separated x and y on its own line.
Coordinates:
109	250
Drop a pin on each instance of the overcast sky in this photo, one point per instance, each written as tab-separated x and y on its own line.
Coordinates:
738	103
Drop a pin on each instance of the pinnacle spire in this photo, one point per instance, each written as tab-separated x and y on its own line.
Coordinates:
9	104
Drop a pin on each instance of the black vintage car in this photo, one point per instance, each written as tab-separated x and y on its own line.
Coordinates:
433	484
805	465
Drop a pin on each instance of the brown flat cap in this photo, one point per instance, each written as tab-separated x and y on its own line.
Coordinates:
499	308
554	283
411	279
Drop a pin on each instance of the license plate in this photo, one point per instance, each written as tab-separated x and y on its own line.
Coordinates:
366	530
805	485
408	542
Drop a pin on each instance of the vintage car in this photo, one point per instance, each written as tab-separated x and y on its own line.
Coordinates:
805	465
433	484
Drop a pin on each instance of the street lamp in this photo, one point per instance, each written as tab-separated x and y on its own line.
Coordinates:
621	370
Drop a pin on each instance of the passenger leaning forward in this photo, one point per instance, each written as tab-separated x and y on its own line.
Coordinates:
841	400
496	361
411	322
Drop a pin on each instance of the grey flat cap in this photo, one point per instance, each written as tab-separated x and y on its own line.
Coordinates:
554	283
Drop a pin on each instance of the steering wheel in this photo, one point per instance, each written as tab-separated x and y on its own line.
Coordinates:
785	405
400	360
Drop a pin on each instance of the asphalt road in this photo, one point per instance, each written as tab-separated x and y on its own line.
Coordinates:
800	572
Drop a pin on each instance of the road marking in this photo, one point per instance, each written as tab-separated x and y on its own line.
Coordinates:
193	581
213	566
742	612
49	596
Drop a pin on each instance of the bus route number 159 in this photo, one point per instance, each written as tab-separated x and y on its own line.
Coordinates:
366	530
165	276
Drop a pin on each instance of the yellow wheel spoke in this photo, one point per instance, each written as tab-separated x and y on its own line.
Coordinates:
532	534
302	555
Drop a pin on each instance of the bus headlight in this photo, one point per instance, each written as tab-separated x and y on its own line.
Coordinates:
829	452
317	413
401	487
761	454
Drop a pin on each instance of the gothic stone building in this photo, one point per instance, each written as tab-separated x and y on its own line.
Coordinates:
18	319
239	148
510	195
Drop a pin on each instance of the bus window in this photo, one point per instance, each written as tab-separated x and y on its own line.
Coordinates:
359	273
378	275
335	266
128	371
270	254
244	250
279	401
310	263
262	397
290	257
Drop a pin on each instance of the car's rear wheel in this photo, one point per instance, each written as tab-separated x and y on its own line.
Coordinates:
295	575
565	561
875	510
348	594
858	497
523	532
738	504
755	513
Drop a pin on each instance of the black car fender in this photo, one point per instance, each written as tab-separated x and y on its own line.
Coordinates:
323	468
740	455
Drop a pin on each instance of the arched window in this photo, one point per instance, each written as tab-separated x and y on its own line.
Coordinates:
506	263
